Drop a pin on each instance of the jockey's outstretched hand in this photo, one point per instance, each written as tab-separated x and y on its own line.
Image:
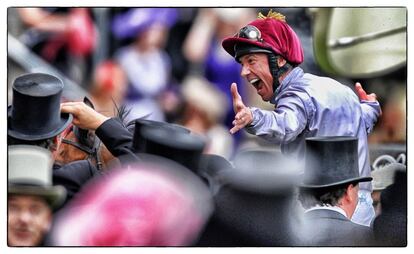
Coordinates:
83	116
363	96
243	115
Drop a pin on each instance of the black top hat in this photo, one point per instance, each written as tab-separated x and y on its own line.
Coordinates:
212	164
331	161
139	142
263	171
184	148
35	110
257	198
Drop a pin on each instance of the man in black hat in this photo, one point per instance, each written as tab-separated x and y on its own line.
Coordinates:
329	193
30	195
390	226
34	118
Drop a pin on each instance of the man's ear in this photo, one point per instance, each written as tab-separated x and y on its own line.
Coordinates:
348	195
281	61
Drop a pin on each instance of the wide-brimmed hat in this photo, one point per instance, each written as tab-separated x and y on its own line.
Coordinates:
331	161
266	35
164	203
35	110
30	173
136	20
204	96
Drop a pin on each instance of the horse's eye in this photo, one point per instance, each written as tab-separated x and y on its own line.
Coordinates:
62	152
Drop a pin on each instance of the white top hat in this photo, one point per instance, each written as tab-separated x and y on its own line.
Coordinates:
30	173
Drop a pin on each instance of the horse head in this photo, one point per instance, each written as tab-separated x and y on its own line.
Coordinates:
81	144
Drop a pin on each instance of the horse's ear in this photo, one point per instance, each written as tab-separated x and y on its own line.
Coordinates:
83	135
88	102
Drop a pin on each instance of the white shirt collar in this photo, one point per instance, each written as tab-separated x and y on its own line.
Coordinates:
328	207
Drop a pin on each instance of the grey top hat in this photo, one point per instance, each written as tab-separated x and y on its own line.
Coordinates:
30	173
384	176
35	110
331	161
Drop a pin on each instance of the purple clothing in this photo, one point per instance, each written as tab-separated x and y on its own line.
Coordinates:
222	70
136	20
307	106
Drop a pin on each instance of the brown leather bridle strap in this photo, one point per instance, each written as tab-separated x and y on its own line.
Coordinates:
91	152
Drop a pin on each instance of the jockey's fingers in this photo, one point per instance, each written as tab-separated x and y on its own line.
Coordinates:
373	95
234	129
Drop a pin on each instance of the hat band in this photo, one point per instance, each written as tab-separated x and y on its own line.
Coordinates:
26	183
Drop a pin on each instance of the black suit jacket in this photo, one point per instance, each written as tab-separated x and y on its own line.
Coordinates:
73	176
324	227
115	137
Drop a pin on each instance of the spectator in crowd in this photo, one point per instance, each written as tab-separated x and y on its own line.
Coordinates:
64	37
205	107
390	226
202	47
108	88
329	193
306	105
30	195
34	118
392	127
151	203
383	176
145	62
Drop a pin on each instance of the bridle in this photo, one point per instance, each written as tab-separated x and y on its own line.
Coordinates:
88	144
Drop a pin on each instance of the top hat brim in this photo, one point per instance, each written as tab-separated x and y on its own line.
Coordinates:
54	195
347	181
65	120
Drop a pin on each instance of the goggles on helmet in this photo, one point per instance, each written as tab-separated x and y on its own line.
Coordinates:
250	32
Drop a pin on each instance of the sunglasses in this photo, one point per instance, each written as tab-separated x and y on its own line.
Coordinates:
250	32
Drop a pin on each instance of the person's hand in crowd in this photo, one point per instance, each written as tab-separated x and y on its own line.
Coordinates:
243	115
363	96
83	116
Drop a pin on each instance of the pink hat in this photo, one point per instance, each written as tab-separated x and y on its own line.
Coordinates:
264	34
141	205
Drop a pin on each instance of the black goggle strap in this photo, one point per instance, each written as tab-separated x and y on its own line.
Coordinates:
277	71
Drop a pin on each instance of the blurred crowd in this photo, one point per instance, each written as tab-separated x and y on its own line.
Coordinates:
103	49
174	175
